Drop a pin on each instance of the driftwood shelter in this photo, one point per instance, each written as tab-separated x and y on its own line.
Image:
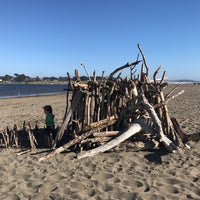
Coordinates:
112	113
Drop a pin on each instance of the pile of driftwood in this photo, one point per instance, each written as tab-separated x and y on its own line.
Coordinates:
114	113
119	112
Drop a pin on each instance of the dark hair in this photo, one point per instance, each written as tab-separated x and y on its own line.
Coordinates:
48	108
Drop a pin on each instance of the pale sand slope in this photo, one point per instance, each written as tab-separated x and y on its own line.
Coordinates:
125	175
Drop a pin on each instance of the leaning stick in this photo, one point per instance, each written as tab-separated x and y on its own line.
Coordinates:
86	71
4	138
168	94
163	77
180	131
70	87
31	139
170	146
168	100
23	152
132	68
123	67
176	95
74	104
155	74
144	59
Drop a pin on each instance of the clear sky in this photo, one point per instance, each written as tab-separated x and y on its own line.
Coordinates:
52	37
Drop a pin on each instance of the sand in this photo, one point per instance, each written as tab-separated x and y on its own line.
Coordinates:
125	175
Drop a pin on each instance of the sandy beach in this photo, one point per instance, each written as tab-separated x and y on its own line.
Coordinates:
144	175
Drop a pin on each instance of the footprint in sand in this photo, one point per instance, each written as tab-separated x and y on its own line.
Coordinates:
102	176
116	180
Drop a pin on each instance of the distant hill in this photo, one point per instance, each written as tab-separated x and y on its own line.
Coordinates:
183	81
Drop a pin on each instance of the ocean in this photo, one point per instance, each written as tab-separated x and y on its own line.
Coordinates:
22	90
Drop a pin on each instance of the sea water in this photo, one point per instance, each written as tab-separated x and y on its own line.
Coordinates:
21	90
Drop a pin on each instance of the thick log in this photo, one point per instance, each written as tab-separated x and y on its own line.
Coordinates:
106	134
133	129
99	124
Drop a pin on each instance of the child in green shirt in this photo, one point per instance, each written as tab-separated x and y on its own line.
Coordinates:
50	126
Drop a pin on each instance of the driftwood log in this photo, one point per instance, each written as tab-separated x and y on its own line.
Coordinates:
132	130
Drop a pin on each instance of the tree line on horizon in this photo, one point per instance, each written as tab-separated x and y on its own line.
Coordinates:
22	78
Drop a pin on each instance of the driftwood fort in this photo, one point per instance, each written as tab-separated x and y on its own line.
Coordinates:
109	113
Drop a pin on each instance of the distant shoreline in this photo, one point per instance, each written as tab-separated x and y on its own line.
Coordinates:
35	83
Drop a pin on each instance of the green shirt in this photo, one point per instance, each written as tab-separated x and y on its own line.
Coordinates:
50	120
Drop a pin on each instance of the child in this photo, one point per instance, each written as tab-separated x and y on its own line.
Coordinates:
49	121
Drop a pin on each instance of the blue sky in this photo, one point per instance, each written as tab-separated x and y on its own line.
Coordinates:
52	37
